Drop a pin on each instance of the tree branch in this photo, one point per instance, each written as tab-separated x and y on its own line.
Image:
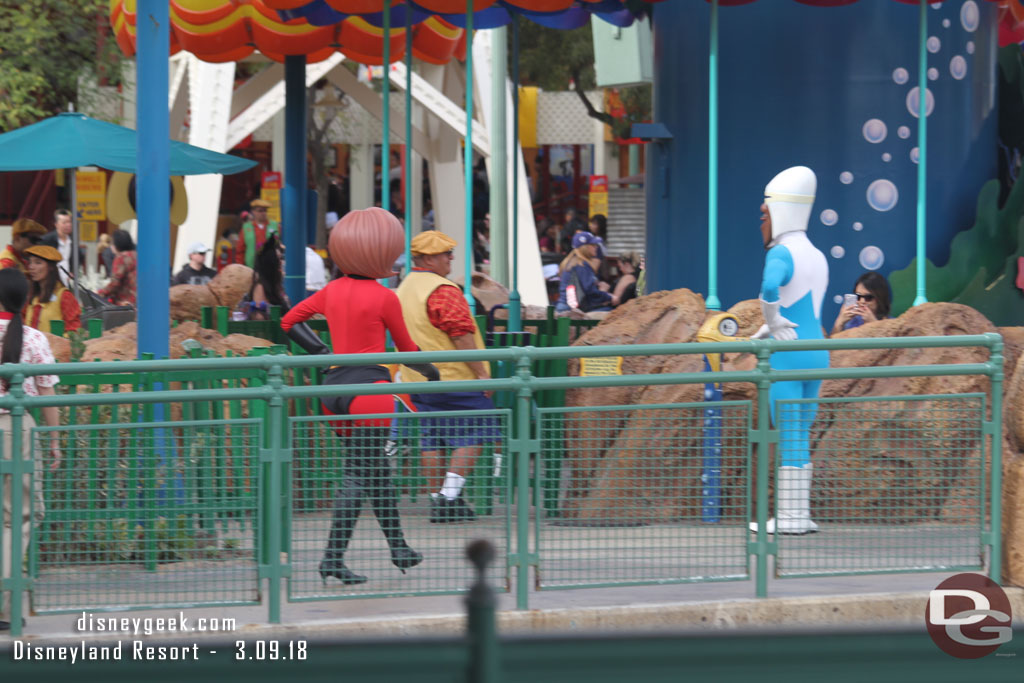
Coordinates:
591	110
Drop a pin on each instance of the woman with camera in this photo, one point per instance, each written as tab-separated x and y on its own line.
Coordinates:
870	301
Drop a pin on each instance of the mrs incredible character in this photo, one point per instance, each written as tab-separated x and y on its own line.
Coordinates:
359	311
792	291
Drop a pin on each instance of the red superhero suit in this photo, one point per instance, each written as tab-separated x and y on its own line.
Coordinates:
364	244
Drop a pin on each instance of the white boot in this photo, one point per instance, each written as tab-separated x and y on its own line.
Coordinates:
794	503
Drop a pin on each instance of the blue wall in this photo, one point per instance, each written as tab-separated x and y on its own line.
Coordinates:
797	85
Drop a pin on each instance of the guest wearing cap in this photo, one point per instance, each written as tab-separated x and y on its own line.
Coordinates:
255	232
49	300
579	287
439	319
195	271
121	288
24	233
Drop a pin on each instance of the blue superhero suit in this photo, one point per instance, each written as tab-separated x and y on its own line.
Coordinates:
792	291
796	276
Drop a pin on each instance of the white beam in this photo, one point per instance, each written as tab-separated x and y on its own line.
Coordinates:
451	114
265	106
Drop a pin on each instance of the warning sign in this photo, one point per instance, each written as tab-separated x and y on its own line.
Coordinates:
600	367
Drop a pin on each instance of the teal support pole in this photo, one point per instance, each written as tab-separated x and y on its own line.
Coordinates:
153	168
515	310
385	93
408	140
634	159
499	158
922	148
295	182
995	560
713	303
468	155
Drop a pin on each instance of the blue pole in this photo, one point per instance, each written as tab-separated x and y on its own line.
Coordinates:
468	154
922	148
295	183
515	311
385	148
153	169
713	303
408	139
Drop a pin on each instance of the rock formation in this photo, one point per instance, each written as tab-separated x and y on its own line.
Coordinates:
900	461
227	289
120	342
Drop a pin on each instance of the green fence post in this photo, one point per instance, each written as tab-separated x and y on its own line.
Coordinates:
481	630
57	328
521	446
223	317
206	317
274	459
996	434
95	328
763	436
19	467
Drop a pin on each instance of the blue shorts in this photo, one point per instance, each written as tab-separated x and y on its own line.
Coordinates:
453	431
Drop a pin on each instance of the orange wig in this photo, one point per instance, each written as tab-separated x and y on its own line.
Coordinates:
366	242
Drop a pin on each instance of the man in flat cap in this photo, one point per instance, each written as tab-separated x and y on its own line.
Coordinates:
439	319
255	232
24	233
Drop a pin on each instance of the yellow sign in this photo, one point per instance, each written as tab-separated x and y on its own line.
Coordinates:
91	195
598	203
274	197
87	230
600	367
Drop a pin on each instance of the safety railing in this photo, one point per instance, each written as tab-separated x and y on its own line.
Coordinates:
182	505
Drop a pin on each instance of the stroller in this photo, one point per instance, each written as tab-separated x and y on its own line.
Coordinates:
95	306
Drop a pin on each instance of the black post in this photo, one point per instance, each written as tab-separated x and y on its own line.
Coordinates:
481	630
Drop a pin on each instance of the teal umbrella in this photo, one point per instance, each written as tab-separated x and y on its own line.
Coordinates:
73	139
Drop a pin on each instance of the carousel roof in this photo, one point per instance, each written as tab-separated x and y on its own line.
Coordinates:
230	30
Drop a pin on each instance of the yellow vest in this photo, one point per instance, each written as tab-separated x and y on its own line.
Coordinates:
8	253
49	311
413	293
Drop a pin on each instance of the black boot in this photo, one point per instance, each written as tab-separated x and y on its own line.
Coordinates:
347	503
383	500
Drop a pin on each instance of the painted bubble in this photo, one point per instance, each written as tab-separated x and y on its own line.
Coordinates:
933	74
846	177
875	130
958	67
933	44
970	47
945	23
858	226
915	155
903	132
882	195
913	101
871	257
900	76
937	5
829	217
837	299
837	252
970	17
886	157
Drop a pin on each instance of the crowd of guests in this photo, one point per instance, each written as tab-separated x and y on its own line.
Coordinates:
581	274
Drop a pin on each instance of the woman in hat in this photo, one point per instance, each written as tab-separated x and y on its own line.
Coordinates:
579	287
364	245
24	233
121	288
22	345
49	300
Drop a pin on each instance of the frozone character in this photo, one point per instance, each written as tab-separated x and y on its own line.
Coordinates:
792	291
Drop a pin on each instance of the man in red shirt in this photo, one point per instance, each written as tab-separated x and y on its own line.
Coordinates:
439	319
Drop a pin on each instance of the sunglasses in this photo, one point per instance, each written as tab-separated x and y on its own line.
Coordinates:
868	298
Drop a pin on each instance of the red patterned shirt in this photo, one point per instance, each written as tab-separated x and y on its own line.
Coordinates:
121	289
449	312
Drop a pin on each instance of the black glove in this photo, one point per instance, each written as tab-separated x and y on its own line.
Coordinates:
303	335
428	370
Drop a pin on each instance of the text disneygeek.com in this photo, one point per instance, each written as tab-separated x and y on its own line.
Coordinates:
136	626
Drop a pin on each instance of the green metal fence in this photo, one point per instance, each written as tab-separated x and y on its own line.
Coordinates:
208	481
